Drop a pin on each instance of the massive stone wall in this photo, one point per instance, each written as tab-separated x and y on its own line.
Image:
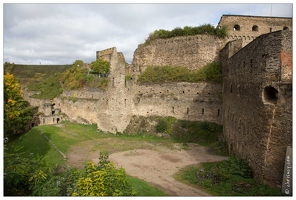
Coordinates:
192	52
257	103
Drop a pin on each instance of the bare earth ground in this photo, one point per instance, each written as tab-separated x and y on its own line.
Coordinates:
153	163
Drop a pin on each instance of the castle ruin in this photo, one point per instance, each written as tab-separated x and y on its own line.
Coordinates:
253	103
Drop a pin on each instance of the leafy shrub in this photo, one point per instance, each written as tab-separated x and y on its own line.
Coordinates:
21	174
103	180
61	184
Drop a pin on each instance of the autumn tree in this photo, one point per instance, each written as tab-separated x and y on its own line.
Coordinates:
17	111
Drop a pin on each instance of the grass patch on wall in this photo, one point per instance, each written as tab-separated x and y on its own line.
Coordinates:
231	177
48	88
159	74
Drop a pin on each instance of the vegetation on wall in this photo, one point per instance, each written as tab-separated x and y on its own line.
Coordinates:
159	74
103	83
187	30
48	88
75	77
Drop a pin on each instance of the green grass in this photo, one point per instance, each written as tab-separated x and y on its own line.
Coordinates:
144	189
232	177
45	71
66	135
40	147
158	74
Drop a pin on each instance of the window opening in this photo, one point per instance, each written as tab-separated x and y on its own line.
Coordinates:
255	28
236	27
270	95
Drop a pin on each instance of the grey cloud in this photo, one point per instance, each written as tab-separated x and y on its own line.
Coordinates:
63	33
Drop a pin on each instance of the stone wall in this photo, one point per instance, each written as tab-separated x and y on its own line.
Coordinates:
257	104
192	52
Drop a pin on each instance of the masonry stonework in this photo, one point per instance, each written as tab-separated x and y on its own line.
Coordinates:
247	28
254	102
257	104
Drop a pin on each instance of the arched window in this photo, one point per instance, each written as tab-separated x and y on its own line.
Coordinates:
285	28
255	28
270	95
236	27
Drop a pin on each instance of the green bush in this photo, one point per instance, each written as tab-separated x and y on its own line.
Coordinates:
100	66
187	30
21	174
75	77
103	180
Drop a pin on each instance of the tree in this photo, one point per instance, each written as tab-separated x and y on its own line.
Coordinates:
100	66
17	111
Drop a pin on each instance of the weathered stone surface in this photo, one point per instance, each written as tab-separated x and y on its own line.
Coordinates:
257	104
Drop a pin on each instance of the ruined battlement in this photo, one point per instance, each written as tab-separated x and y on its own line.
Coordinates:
105	54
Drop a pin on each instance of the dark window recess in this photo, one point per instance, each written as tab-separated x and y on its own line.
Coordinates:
236	27
270	95
255	28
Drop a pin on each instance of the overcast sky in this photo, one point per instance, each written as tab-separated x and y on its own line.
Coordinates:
62	33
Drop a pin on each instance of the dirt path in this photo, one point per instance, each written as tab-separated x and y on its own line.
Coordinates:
155	165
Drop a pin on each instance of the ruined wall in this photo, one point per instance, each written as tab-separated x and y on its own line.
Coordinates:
247	28
257	104
192	52
188	101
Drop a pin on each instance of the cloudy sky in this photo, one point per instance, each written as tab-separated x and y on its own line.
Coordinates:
62	33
